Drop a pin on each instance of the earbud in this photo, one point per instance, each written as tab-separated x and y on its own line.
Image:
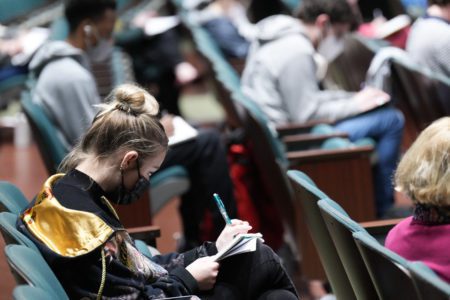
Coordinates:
87	29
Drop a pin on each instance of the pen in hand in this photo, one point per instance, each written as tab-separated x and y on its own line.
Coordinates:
222	209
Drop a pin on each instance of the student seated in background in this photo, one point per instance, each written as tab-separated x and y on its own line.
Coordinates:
79	234
228	24
66	90
429	39
281	76
423	175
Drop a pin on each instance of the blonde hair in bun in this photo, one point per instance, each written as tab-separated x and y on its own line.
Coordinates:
127	121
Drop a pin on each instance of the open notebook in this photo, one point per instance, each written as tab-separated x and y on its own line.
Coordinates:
182	131
242	243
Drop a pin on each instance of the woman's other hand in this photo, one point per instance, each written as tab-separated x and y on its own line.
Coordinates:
205	271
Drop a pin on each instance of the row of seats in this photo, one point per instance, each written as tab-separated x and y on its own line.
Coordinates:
422	95
357	265
326	161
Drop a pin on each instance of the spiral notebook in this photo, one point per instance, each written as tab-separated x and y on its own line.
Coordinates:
242	243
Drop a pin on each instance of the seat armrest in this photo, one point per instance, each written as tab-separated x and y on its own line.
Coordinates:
379	227
297	128
299	142
147	234
298	157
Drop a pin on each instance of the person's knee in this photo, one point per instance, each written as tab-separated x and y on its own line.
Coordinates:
267	254
395	118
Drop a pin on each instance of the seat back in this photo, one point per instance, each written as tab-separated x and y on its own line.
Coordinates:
27	292
429	285
308	195
12	9
29	267
270	160
10	233
225	78
348	70
341	227
11	198
50	146
426	94
387	269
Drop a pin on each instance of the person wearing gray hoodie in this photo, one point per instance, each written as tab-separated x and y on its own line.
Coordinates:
281	75
63	72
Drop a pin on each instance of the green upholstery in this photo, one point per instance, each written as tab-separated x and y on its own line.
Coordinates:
10	233
336	143
429	285
143	248
59	29
12	82
11	9
263	121
27	292
322	129
341	227
387	269
50	146
11	198
29	266
308	195
292	5
166	184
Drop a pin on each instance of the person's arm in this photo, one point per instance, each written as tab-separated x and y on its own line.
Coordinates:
304	100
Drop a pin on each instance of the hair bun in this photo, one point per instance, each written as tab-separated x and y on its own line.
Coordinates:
133	99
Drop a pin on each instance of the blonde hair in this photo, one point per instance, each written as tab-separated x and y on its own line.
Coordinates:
128	121
424	174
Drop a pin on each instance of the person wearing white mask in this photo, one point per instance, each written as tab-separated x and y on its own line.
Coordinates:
281	75
62	68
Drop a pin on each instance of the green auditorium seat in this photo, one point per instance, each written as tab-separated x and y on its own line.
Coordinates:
9	232
166	184
429	285
29	267
308	195
387	269
12	9
27	292
50	146
424	94
11	198
341	227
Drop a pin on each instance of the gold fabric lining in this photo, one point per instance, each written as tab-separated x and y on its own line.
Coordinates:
65	231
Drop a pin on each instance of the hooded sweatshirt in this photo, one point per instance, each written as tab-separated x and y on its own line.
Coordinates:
280	75
65	89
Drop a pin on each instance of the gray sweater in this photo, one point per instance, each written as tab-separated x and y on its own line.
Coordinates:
280	75
429	44
65	89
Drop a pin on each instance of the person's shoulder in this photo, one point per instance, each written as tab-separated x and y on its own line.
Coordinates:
65	69
398	230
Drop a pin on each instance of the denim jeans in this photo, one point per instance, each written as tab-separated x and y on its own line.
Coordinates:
385	126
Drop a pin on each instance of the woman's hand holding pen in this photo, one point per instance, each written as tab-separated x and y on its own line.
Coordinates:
230	231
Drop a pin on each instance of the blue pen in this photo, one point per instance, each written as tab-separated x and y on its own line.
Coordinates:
222	209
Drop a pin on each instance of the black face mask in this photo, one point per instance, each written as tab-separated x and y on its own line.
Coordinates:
122	196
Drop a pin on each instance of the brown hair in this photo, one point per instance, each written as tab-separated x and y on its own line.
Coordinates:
424	174
128	121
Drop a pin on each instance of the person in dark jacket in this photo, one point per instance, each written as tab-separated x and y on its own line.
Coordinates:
81	237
